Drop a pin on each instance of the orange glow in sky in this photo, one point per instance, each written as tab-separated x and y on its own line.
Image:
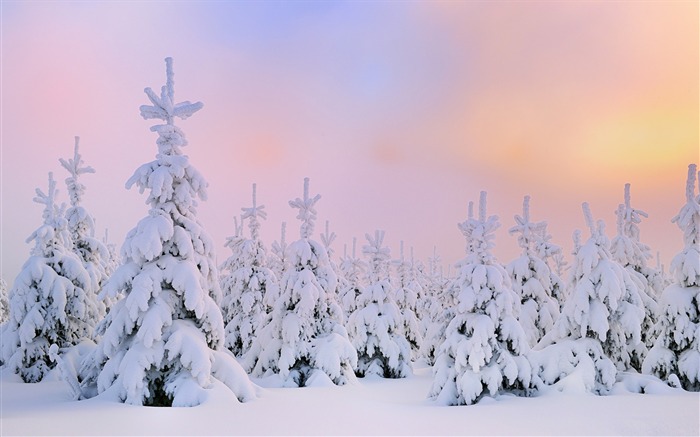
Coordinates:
399	112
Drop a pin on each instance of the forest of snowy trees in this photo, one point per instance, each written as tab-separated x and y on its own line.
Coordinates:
160	322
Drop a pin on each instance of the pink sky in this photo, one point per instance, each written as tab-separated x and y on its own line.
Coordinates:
399	112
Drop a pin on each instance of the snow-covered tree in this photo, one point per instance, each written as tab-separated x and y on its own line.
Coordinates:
375	327
246	279
164	341
627	250
47	304
407	295
532	279
599	329
675	356
485	346
353	271
4	303
305	341
277	257
552	254
81	225
438	306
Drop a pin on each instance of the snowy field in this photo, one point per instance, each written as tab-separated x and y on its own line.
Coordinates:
373	406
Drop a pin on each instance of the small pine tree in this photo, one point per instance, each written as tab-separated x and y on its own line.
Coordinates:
81	225
164	339
675	356
438	306
632	254
485	346
375	327
407	295
304	338
532	279
353	271
599	330
277	250
245	282
47	305
552	254
4	303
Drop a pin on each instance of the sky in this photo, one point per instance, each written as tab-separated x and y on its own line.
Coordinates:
400	113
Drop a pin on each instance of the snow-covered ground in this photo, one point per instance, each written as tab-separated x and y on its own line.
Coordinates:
373	406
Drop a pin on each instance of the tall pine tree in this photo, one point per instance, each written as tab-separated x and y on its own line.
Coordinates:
485	346
245	282
675	356
47	304
163	345
305	339
532	279
81	225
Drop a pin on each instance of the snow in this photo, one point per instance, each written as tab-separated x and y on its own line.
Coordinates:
373	406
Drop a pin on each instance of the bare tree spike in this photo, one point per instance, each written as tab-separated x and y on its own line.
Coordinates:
170	78
690	185
526	209
627	196
588	217
254	196
621	216
482	206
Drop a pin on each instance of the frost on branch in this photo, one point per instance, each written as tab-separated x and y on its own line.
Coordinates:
675	356
376	326
484	352
164	107
164	339
305	336
47	304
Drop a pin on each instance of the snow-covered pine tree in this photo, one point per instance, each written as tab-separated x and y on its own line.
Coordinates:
164	342
485	346
81	225
552	254
532	279
438	306
627	250
4	303
675	356
407	294
327	238
599	329
277	249
354	270
304	340
246	280
375	327
47	305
